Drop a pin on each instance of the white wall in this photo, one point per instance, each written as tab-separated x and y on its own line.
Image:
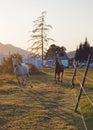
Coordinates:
36	61
65	63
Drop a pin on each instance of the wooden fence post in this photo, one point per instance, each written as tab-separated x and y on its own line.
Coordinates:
72	83
83	81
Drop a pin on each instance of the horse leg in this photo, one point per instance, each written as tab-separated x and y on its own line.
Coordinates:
22	81
29	77
61	77
19	83
58	77
55	77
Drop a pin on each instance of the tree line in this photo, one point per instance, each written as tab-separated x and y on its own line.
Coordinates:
83	51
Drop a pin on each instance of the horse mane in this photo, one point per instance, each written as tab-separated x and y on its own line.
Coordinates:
57	62
19	62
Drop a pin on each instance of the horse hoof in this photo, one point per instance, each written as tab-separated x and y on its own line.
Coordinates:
31	86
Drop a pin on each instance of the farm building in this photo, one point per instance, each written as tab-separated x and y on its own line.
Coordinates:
36	61
64	59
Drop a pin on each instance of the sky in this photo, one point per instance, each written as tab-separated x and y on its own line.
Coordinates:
72	21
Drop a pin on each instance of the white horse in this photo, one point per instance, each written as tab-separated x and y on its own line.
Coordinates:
20	70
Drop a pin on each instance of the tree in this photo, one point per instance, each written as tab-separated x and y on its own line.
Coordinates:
77	54
40	37
53	49
62	50
83	51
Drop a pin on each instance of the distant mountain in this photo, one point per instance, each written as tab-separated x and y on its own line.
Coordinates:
10	49
71	54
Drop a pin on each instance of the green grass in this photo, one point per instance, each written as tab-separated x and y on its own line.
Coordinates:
46	106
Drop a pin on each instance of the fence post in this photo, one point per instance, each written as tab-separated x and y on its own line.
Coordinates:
72	83
83	81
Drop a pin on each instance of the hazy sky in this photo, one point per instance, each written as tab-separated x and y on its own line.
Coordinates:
72	21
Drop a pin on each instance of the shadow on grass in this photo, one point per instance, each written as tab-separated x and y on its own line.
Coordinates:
10	112
11	82
8	91
8	82
45	108
55	109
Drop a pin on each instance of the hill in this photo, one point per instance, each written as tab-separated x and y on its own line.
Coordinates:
6	49
10	49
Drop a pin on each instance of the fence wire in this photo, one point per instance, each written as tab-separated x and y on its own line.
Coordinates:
82	77
82	116
91	102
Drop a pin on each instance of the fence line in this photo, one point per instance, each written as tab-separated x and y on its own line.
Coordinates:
82	116
89	79
74	75
83	81
86	76
91	102
81	84
80	72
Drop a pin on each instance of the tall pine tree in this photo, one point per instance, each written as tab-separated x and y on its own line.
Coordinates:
40	36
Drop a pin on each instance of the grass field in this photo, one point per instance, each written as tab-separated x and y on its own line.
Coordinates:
46	106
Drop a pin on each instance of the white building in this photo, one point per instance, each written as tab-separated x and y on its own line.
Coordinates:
36	61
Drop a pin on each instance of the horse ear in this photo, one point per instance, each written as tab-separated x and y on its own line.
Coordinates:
14	56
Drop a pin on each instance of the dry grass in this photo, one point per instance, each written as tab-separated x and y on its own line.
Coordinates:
46	106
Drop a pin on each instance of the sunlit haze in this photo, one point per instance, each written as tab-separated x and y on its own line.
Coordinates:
72	21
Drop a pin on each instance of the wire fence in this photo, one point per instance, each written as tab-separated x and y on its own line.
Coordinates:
79	78
82	116
91	102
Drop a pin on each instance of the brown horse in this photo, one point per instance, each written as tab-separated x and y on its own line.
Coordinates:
59	71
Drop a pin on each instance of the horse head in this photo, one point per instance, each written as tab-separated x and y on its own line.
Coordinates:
57	62
16	61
